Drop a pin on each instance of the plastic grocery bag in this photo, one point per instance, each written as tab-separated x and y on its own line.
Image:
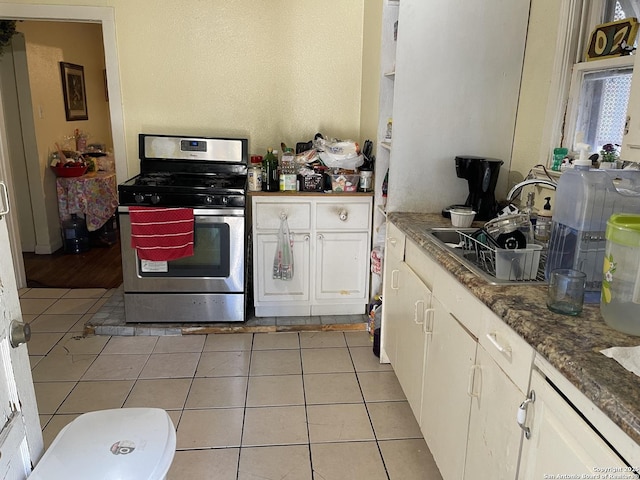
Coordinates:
339	153
283	260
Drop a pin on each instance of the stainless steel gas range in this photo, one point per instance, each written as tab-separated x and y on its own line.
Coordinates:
208	175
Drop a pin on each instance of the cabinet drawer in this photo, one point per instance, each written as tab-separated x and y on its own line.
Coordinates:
420	262
345	215
267	215
512	354
459	301
395	242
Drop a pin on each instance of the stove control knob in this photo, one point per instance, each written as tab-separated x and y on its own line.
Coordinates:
155	199
139	198
225	200
208	200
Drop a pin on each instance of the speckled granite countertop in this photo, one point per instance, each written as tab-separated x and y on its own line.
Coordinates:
571	344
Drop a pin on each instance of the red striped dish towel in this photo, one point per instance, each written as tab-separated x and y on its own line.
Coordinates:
162	234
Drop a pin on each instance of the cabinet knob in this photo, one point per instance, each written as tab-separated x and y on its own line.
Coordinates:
4	206
343	215
320	236
19	333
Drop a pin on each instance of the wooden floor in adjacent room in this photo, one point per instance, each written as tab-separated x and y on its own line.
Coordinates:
100	267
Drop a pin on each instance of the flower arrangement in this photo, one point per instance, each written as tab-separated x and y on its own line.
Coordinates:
609	153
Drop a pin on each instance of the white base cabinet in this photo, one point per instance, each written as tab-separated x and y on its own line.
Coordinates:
494	438
331	248
446	387
415	298
392	306
466	373
561	442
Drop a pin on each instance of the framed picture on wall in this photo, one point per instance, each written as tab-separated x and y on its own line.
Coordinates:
74	91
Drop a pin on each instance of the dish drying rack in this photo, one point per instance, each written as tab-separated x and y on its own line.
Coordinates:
525	264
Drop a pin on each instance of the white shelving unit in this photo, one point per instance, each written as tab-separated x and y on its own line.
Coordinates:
383	151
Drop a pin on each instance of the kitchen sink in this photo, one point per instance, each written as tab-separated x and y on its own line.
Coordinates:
481	259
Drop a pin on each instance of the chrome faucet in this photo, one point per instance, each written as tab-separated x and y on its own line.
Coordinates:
515	191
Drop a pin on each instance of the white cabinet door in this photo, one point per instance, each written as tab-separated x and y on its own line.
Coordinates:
447	389
342	266
392	306
494	437
561	442
415	298
269	289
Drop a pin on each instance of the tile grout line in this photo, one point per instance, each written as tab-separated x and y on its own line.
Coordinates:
366	406
244	410
306	409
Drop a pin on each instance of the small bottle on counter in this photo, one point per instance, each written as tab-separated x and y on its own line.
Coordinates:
254	173
270	180
366	180
532	211
543	226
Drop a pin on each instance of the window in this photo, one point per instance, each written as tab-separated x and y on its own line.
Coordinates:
599	91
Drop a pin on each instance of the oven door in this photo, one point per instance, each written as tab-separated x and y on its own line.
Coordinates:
217	264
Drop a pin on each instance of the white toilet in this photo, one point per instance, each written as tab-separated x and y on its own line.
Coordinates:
119	444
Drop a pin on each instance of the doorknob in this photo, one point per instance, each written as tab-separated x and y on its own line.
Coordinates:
20	333
4	206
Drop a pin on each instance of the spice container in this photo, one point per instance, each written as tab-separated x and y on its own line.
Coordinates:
254	173
366	180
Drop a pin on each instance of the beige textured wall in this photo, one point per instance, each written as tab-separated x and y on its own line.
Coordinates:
534	93
49	43
273	71
371	69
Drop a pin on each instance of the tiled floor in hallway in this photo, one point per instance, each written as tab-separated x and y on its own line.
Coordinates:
299	405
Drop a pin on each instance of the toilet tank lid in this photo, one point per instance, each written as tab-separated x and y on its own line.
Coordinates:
125	443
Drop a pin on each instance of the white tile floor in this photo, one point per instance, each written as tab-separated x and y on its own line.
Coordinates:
307	405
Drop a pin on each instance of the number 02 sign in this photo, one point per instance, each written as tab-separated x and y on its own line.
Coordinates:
607	39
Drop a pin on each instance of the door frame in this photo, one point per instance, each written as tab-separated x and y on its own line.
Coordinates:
66	13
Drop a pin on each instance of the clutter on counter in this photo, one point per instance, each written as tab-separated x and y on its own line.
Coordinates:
320	165
72	157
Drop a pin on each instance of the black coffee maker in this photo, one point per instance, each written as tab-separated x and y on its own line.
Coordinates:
482	176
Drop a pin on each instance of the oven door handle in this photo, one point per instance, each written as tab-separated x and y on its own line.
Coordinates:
204	212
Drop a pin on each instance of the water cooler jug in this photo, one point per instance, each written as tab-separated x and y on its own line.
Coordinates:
585	199
75	235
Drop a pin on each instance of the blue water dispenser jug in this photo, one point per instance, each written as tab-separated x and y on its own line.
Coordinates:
585	199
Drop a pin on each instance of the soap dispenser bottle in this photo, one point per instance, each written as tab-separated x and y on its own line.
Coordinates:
543	226
532	211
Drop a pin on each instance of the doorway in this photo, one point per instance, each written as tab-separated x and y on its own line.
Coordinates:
105	17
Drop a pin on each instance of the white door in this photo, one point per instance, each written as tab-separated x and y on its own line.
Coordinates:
20	438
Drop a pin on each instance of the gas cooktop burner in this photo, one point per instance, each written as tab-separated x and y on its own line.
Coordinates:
153	179
188	172
208	181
